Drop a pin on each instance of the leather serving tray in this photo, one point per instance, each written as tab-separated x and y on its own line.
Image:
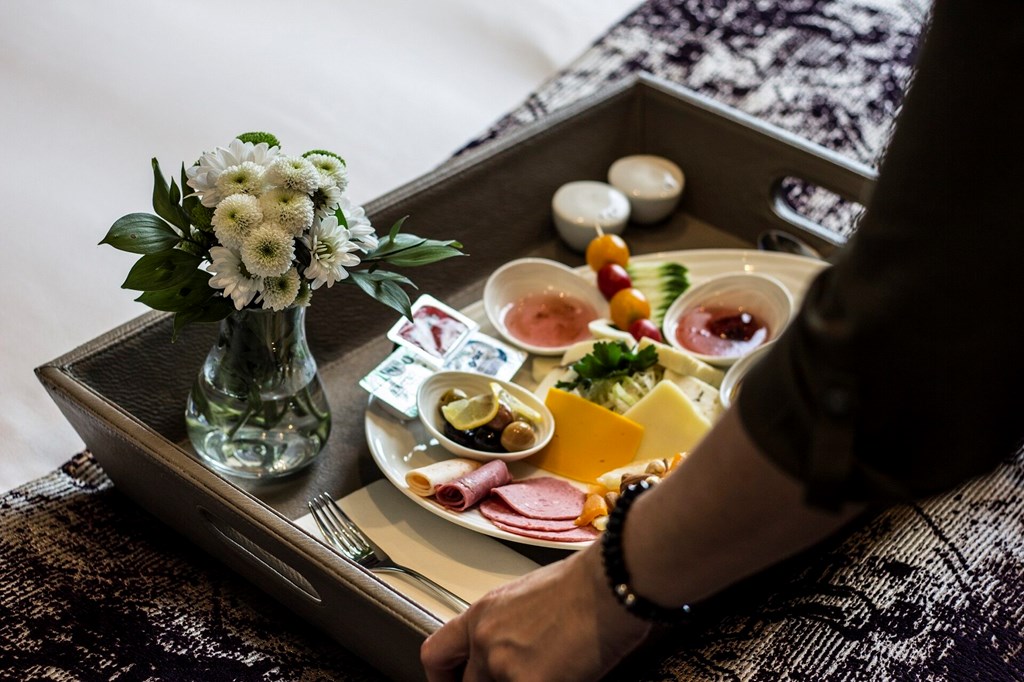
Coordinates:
124	391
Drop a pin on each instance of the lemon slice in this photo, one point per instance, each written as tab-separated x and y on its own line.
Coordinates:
517	406
470	413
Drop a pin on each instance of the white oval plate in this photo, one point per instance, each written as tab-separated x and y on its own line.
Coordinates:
399	447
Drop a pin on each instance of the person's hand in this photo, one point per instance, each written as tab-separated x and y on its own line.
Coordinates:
560	622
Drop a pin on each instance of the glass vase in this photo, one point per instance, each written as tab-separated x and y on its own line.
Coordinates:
257	409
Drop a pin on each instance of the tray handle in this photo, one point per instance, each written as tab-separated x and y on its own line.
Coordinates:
274	568
744	164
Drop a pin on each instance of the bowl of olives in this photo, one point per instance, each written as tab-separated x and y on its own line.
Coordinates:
480	417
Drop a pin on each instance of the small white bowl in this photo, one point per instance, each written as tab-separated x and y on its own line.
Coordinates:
653	185
526	277
763	297
428	400
579	208
730	389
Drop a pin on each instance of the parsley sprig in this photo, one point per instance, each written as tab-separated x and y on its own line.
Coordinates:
609	360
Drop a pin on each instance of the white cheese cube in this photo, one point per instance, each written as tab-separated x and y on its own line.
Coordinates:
684	363
704	395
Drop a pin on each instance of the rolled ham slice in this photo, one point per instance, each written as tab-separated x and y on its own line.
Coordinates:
424	480
465	491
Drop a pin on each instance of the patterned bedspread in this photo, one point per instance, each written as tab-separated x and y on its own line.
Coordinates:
95	588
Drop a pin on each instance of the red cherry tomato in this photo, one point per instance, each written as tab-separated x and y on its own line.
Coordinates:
645	327
612	278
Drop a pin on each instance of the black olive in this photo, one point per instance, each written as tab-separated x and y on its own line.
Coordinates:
487	440
461	437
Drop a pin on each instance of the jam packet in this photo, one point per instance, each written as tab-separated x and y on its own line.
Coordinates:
437	337
435	331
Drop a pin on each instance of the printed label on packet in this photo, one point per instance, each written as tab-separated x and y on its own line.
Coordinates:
486	355
395	382
435	330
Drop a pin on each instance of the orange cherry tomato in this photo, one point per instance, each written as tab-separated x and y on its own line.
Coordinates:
627	306
608	248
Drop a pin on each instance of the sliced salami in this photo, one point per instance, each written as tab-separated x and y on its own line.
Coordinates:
494	509
543	498
579	534
465	491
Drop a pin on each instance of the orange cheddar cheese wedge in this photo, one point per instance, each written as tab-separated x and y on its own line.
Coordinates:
589	439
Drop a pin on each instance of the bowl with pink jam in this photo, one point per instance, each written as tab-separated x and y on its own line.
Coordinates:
541	305
728	317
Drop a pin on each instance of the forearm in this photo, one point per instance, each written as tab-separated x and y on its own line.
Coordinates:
724	514
900	377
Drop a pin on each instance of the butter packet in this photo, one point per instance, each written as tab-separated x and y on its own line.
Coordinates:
435	332
486	355
395	381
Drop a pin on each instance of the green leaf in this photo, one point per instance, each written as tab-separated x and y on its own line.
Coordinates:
166	207
393	244
175	193
141	233
189	203
430	251
342	220
397	227
217	308
382	275
192	293
162	270
384	287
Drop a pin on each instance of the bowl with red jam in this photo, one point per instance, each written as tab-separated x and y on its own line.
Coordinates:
541	305
728	317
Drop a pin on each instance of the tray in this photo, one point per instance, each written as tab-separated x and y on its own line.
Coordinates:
124	391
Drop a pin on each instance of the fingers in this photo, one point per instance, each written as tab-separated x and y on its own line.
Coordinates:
444	653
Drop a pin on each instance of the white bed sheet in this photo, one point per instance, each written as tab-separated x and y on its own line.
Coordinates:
89	92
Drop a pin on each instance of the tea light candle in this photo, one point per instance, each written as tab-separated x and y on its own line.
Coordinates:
580	208
653	184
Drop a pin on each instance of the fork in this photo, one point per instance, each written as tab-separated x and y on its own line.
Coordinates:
346	537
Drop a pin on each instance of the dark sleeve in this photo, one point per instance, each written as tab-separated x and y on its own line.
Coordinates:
903	373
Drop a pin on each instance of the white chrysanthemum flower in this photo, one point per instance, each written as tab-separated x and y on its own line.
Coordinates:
280	291
235	217
292	210
245	178
330	248
202	177
327	200
268	250
293	172
333	171
359	225
230	275
305	295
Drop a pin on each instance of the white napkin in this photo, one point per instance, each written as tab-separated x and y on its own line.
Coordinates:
466	562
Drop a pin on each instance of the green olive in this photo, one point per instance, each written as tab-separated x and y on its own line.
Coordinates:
450	396
518	436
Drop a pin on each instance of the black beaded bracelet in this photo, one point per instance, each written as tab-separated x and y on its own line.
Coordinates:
618	575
